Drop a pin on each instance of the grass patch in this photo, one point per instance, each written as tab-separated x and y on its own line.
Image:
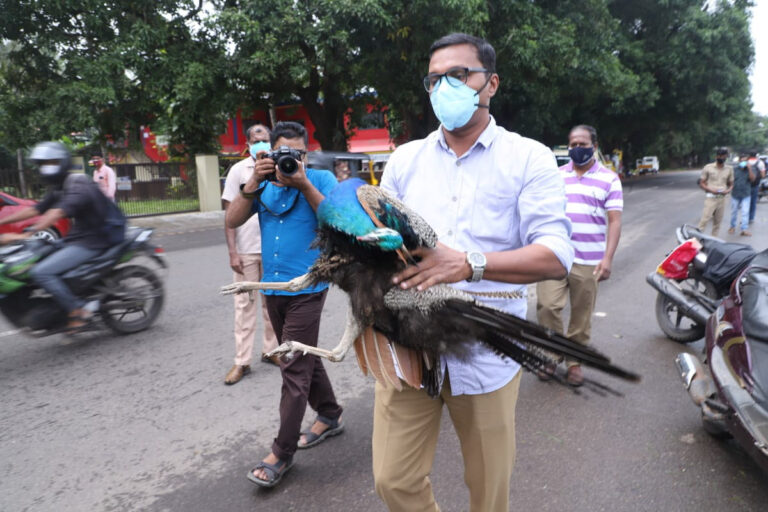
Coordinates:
133	208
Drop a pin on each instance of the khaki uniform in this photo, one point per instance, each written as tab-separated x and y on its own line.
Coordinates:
718	178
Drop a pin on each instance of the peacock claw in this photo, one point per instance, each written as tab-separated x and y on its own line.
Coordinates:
287	349
234	288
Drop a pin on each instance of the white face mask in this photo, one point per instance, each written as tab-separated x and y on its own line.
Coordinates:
49	170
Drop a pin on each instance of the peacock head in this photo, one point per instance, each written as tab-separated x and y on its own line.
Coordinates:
385	239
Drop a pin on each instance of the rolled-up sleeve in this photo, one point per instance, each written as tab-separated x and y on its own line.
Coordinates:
541	208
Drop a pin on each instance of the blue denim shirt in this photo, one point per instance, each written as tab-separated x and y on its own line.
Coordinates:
288	225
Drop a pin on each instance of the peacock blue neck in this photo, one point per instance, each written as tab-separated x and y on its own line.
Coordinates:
341	210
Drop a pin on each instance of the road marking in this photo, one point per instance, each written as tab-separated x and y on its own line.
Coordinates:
9	333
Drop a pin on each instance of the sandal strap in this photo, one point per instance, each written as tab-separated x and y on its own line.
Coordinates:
310	437
273	470
332	423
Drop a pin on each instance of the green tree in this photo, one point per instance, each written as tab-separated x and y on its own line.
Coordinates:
305	51
667	77
696	59
107	67
394	55
543	49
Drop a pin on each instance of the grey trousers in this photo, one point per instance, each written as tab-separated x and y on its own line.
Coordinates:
47	273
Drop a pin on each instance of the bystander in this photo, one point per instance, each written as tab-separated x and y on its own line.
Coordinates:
104	177
245	260
717	181
743	175
594	206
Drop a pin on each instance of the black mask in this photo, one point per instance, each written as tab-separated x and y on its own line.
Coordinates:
720	161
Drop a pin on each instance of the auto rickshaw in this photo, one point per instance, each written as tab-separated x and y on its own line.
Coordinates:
344	165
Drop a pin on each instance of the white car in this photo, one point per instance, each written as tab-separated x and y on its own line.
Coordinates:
647	164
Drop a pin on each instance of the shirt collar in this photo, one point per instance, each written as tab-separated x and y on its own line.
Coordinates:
485	139
569	167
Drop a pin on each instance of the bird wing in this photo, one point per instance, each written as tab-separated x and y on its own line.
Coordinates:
385	209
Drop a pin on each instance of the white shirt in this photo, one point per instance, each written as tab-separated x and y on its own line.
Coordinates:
247	236
506	192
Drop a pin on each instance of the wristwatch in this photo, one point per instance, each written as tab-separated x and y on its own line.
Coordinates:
476	262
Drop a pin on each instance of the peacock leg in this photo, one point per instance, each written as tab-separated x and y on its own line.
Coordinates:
335	355
294	285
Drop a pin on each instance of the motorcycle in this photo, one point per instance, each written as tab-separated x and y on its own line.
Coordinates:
693	279
128	290
733	393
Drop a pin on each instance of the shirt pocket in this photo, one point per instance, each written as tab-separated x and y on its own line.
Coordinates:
493	215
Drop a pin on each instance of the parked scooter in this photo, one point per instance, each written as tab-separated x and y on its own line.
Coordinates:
762	188
693	279
733	394
122	281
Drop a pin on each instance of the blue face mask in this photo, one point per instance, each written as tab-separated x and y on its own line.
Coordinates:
581	156
453	105
256	147
742	164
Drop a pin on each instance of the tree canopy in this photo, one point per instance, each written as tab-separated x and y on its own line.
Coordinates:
665	77
107	67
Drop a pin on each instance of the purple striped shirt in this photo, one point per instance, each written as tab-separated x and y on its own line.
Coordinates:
589	198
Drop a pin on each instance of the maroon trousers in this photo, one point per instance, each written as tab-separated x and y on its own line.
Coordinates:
297	318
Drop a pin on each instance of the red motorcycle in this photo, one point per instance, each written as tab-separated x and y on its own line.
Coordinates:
693	279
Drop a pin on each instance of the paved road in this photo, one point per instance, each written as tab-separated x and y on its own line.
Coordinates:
144	422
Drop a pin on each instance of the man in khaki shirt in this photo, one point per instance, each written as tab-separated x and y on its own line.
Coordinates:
717	181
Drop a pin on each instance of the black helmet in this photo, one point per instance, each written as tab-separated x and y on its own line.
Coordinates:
46	151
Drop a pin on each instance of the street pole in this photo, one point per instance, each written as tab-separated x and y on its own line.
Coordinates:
22	183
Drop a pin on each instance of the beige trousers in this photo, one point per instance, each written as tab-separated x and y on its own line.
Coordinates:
714	208
246	313
405	428
581	286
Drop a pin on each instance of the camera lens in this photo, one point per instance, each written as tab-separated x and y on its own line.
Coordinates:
287	164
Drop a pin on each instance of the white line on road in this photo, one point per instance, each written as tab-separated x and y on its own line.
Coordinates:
9	333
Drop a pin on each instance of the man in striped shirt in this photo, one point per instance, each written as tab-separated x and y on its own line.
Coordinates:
594	206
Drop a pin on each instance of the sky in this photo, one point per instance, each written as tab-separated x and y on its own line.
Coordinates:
760	68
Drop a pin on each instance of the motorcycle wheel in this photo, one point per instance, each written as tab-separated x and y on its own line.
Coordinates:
673	323
135	301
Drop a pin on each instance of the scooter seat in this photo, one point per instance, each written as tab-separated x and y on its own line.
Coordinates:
725	262
753	287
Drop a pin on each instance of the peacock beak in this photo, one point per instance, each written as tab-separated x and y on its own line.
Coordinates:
384	238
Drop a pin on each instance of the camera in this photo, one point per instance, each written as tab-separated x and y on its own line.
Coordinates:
285	158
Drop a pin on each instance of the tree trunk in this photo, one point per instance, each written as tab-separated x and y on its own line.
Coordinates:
22	181
328	118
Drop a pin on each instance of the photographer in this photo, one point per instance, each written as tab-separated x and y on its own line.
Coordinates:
285	195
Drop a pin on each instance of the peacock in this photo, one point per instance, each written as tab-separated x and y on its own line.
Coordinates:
365	236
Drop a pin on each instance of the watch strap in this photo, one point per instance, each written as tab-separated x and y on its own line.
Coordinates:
247	195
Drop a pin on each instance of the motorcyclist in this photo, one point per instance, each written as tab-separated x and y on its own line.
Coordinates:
70	195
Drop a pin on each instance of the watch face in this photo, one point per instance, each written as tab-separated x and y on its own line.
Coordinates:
476	258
